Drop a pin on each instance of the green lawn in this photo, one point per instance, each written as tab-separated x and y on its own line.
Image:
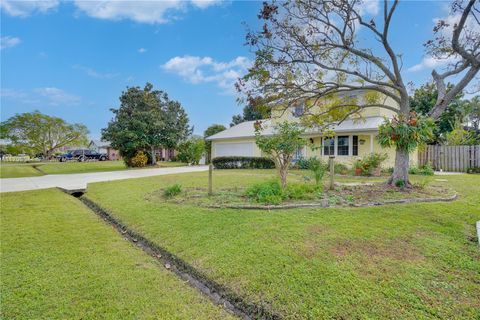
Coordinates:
410	261
60	261
26	170
18	171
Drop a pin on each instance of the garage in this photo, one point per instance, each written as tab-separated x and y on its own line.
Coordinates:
224	149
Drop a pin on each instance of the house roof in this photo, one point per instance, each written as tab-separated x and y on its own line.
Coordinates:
247	130
100	143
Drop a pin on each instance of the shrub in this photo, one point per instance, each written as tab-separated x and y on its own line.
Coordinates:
139	160
301	191
265	192
318	169
340	168
243	163
473	170
172	191
425	170
272	193
191	150
305	163
370	163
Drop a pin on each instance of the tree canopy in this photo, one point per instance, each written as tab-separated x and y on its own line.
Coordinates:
281	145
250	113
146	119
210	131
309	52
41	133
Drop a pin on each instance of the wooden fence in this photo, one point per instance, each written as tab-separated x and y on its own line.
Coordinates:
450	158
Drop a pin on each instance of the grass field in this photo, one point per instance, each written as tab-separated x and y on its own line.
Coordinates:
409	261
27	170
60	261
18	171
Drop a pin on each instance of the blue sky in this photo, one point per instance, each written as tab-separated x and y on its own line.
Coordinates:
72	59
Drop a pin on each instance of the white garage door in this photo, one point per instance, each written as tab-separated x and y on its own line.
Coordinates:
244	149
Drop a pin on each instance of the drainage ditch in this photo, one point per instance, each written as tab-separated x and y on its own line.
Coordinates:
216	292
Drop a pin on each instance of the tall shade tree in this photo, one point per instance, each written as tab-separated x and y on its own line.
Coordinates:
41	133
308	51
210	131
281	145
145	120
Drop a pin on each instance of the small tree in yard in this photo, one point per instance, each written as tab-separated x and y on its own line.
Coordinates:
191	150
281	146
311	52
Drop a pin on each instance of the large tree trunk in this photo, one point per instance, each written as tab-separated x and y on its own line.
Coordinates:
400	171
154	158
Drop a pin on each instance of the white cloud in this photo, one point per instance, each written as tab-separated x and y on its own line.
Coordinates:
204	3
369	7
24	8
142	50
95	74
9	42
429	63
56	96
153	11
202	70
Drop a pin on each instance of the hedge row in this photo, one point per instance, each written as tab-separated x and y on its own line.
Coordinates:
243	163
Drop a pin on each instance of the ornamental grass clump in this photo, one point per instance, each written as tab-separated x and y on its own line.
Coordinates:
172	191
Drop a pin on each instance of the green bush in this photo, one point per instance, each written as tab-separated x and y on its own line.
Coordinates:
265	192
340	168
243	163
172	191
139	160
318	169
272	193
473	170
301	191
190	151
370	163
425	170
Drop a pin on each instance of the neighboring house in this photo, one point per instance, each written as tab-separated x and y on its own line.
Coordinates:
354	138
102	146
113	154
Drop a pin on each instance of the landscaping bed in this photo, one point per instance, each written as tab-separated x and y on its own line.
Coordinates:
306	195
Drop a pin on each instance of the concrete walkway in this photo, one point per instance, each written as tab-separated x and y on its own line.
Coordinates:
77	181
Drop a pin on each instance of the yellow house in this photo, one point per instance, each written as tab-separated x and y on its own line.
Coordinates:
353	139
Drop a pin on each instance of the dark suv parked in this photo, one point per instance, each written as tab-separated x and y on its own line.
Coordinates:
82	155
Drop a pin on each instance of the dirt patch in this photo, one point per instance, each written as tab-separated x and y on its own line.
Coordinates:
400	249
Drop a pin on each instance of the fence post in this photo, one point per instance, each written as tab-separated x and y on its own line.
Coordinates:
332	171
210	176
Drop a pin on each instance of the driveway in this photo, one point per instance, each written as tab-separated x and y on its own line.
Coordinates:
76	181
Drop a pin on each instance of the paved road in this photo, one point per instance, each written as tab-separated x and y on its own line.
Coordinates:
77	181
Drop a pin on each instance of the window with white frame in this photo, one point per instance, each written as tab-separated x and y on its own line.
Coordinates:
328	146
354	145
342	146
